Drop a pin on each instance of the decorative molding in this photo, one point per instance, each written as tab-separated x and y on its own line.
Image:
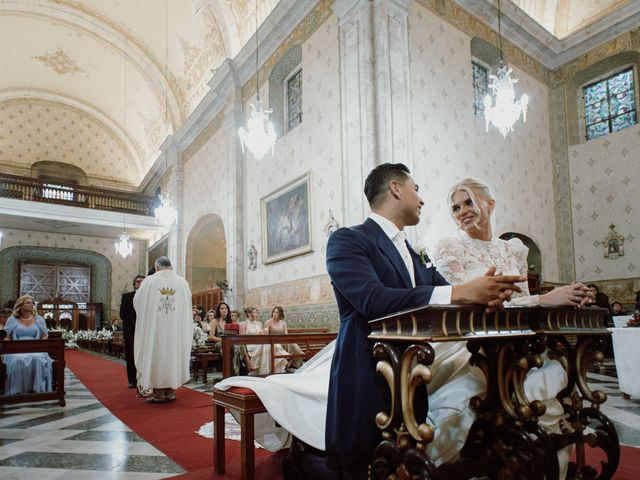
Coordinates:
59	62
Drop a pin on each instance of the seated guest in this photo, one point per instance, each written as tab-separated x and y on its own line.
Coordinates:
27	372
461	259
616	309
208	322
261	353
277	326
602	299
5	313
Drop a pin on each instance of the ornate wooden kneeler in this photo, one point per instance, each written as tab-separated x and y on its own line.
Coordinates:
505	441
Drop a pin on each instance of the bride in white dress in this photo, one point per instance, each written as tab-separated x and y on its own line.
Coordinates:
464	258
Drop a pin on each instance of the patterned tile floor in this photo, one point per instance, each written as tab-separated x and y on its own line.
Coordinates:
83	440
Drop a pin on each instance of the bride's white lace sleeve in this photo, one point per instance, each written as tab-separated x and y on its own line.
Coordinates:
520	251
447	256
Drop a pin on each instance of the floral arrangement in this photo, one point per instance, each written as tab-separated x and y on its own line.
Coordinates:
68	336
635	320
199	336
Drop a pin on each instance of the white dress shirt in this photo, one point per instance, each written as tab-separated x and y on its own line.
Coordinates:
441	295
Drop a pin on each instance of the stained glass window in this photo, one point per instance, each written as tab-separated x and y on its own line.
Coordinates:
294	100
480	87
610	105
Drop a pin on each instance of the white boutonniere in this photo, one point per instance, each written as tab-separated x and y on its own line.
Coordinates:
422	251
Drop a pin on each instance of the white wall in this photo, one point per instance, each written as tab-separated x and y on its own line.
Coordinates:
450	143
604	190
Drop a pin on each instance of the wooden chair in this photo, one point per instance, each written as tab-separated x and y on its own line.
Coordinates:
201	359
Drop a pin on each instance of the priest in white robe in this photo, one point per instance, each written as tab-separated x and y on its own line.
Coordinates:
164	332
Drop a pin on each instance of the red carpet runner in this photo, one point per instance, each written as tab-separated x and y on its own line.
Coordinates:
169	427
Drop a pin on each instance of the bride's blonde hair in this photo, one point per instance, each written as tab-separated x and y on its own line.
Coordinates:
474	188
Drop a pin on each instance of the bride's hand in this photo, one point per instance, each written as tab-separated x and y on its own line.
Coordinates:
574	295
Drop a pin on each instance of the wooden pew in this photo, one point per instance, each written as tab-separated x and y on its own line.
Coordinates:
55	348
245	401
201	357
310	343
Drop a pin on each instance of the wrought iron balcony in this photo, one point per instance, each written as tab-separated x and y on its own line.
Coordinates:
36	190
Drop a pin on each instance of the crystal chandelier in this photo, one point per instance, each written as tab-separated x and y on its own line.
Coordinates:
123	246
506	110
259	136
165	213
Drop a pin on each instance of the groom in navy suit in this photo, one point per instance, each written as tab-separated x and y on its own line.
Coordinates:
374	272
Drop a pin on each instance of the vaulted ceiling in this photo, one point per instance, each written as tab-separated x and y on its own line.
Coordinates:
82	79
68	65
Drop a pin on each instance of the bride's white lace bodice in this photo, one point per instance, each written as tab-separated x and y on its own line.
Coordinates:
462	259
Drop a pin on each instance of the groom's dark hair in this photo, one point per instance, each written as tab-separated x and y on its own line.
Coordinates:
375	186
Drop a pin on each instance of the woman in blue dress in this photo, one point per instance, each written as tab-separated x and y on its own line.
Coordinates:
27	372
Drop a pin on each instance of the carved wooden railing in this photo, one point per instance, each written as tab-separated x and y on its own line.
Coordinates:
505	441
36	190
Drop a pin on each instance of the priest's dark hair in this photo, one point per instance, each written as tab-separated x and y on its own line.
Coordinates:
375	186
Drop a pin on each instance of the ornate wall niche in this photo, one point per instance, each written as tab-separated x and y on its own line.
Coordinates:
11	257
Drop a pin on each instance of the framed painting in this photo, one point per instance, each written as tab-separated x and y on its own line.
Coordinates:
286	221
157	250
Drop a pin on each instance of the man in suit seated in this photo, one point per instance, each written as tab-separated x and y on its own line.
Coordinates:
374	273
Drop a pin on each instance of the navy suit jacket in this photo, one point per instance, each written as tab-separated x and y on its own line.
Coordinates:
370	280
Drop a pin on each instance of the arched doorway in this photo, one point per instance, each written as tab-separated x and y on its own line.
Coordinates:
534	259
206	253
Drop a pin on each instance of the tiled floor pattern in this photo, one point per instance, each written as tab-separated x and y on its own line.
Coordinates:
84	441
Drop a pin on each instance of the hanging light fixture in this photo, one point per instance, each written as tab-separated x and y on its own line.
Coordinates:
259	136
166	214
506	110
124	246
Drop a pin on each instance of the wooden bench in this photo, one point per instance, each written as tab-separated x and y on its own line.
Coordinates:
55	348
245	401
201	358
310	343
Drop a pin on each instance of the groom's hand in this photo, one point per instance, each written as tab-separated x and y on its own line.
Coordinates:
491	290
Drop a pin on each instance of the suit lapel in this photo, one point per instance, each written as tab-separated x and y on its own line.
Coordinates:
390	251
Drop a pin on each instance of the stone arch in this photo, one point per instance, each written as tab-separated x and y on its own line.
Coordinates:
11	257
206	253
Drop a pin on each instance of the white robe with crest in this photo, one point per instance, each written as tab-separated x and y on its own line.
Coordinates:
164	330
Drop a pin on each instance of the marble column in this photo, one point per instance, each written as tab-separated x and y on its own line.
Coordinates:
175	186
374	80
236	265
561	185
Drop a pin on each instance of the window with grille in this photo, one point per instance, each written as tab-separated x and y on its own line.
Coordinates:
610	104
46	282
480	80
294	99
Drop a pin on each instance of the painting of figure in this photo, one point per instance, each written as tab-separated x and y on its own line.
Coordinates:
286	221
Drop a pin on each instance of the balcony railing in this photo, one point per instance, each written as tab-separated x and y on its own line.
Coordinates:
47	191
